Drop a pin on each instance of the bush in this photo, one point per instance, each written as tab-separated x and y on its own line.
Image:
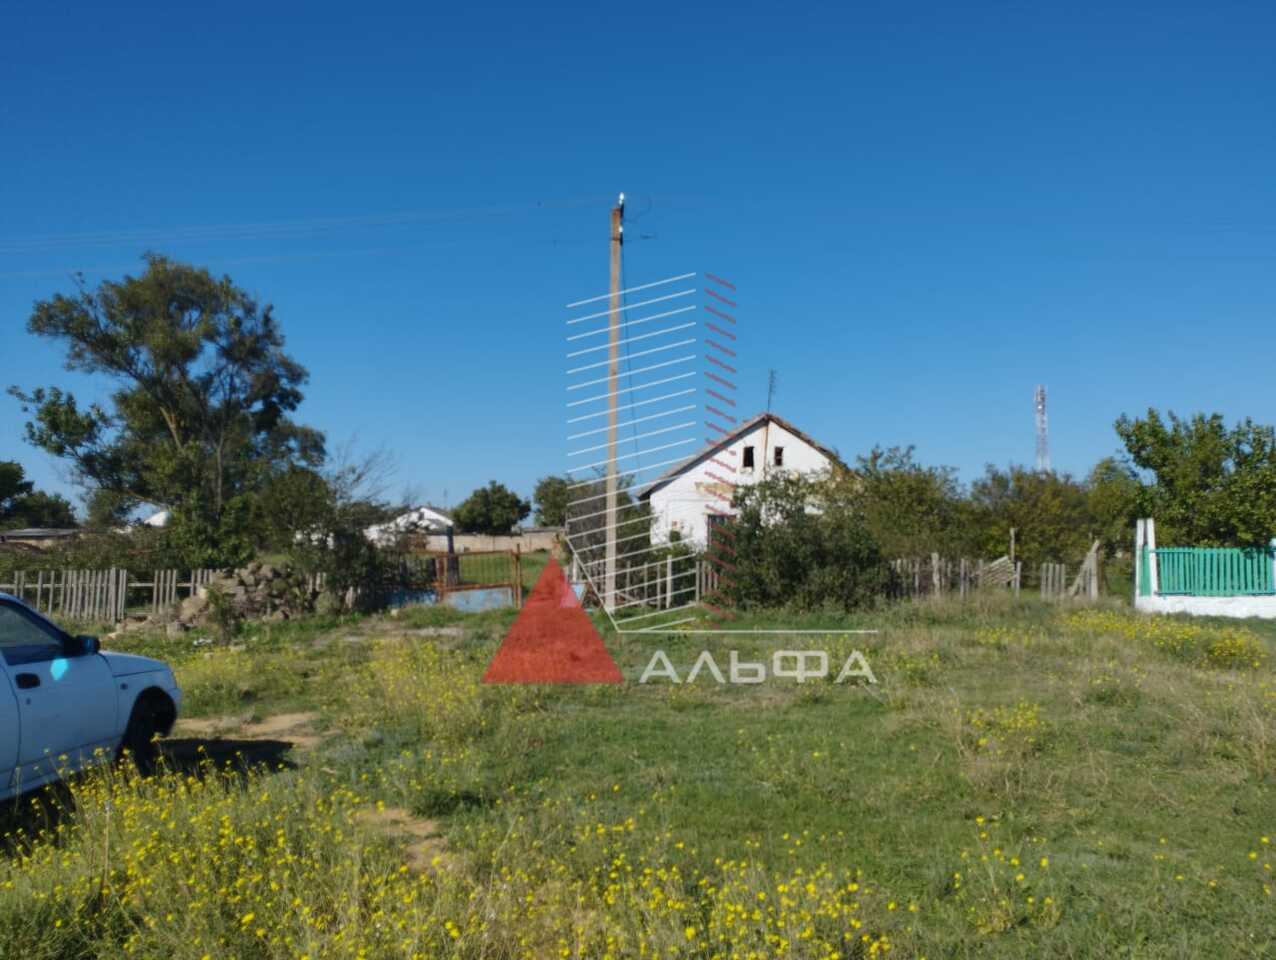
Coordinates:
142	548
799	543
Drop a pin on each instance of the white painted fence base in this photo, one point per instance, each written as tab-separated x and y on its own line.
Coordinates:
1264	607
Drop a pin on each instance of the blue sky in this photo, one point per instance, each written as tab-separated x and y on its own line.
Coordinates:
928	208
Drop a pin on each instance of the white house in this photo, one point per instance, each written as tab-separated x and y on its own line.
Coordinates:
159	519
686	498
421	520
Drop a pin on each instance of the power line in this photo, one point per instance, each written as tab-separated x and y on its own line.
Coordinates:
281	228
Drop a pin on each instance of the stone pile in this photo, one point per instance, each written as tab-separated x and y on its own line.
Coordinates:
259	591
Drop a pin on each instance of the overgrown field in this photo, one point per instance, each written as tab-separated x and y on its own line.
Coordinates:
1022	781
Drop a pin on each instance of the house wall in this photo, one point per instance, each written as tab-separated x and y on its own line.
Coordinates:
683	504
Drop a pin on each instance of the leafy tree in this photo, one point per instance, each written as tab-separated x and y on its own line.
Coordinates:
909	509
494	509
13	485
41	509
322	519
21	505
802	543
1049	511
1113	491
295	506
1209	484
107	509
199	418
551	496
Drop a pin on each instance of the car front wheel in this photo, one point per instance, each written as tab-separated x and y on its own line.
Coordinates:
139	737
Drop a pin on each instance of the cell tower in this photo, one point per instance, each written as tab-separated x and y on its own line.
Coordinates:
1043	431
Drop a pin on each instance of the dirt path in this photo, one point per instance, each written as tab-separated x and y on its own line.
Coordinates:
425	847
223	739
296	728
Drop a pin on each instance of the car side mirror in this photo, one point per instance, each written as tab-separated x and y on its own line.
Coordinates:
85	646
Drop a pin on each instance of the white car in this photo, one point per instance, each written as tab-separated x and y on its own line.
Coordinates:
64	703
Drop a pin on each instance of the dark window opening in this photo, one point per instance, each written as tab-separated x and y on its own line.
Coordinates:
779	456
715	522
748	458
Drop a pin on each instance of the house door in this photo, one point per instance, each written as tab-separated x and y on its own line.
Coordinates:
716	522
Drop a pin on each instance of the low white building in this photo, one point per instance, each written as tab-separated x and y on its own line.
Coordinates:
425	520
690	497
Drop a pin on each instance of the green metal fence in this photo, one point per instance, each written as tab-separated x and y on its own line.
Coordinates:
1209	571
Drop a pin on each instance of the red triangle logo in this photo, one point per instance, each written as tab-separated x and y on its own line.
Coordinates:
552	640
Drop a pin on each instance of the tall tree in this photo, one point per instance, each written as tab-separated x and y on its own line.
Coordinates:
21	505
494	509
1049	511
909	509
1113	491
199	417
551	497
1210	484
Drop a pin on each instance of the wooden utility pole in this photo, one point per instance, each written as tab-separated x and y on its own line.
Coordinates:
613	385
766	427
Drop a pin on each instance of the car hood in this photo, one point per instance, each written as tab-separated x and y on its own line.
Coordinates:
128	664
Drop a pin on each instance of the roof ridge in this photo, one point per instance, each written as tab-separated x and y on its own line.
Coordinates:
727	439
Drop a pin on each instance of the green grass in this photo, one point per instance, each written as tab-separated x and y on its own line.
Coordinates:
997	730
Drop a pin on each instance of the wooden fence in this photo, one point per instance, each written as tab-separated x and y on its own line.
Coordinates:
935	576
72	594
1054	578
107	595
675	581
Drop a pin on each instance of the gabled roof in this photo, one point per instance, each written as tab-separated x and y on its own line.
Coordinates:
730	438
38	533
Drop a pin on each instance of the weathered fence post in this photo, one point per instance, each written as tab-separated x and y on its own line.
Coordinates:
518	577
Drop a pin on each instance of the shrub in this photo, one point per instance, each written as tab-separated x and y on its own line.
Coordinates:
798	543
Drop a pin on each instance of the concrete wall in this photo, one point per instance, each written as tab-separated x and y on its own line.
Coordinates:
1264	607
544	538
683	504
